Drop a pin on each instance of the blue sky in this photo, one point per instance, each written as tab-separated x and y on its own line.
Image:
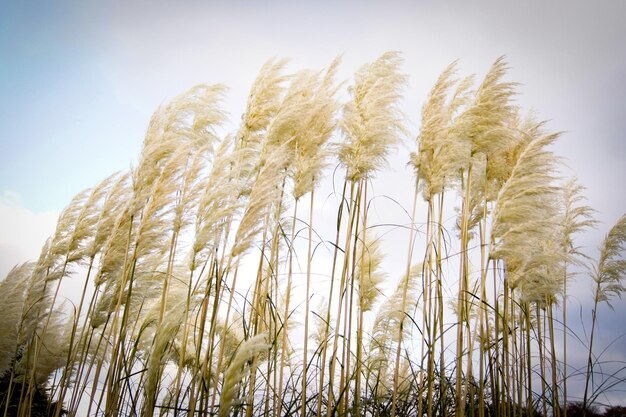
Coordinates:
79	81
61	121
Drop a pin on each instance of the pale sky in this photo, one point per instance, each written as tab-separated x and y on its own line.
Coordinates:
79	81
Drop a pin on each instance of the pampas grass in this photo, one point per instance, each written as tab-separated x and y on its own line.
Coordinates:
13	288
372	120
245	359
608	274
197	269
610	271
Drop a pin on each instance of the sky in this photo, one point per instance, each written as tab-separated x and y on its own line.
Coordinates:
79	81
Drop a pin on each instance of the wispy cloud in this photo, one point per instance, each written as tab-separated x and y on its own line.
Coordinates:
22	232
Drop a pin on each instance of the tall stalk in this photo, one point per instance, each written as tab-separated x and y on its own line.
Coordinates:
394	397
305	363
343	288
330	295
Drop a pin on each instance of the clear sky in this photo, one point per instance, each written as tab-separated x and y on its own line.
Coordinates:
79	81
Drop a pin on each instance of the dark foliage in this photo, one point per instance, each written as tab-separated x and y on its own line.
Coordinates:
41	405
576	409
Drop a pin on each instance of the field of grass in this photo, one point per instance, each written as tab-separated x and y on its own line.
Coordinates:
213	279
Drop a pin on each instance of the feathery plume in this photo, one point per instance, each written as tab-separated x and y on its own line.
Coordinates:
188	120
13	290
526	202
312	156
386	330
576	217
372	121
440	156
501	161
526	213
542	274
217	204
265	193
610	271
244	360
390	314
63	236
234	338
37	301
86	222
264	99
117	244
485	120
158	213
161	349
113	203
368	273
55	346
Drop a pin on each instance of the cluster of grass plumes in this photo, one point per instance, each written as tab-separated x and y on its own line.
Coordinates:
207	289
